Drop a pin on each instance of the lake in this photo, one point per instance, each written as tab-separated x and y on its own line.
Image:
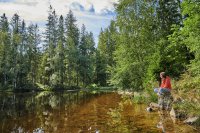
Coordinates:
81	112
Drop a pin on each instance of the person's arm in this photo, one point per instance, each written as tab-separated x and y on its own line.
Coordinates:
161	85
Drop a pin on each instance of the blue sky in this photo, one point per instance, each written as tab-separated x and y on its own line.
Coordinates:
95	14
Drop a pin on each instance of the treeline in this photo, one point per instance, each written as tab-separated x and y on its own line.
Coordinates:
63	56
148	37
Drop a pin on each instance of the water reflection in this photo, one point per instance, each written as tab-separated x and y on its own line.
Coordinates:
76	112
167	125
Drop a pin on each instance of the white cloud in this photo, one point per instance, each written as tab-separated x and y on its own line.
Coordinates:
93	13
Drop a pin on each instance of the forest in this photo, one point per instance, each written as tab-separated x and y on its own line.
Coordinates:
63	56
145	38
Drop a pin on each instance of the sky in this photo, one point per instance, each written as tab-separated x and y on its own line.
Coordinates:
95	14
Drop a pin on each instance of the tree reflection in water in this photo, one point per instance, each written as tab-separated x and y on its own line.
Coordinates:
26	112
75	112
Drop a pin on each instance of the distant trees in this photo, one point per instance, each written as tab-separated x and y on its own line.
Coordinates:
64	58
5	50
72	40
86	56
105	54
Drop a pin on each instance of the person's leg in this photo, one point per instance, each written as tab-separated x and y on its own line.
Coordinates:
164	91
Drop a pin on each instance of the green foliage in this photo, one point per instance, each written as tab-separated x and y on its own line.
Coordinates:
188	89
105	54
188	108
191	31
55	63
168	13
86	57
72	54
152	96
139	99
43	87
188	86
150	37
92	86
147	37
135	45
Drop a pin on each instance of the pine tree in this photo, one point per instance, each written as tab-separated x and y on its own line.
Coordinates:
33	40
16	40
86	57
60	54
106	48
51	37
22	64
169	14
4	25
91	53
72	40
101	60
82	57
4	50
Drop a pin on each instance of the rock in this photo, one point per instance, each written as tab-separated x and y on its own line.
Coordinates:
173	113
177	114
129	93
45	113
191	120
20	130
80	131
160	125
149	109
38	130
90	128
97	131
154	105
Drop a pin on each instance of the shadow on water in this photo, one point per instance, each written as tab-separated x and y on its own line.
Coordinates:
80	112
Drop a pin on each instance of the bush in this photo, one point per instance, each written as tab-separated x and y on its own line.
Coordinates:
140	99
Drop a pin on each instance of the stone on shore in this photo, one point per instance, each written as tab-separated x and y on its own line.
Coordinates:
191	120
153	105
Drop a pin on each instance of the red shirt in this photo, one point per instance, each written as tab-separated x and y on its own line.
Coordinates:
166	83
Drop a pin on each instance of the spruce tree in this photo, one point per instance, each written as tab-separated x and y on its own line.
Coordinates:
72	42
15	44
60	54
33	40
4	50
50	45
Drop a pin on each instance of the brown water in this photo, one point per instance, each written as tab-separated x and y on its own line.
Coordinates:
80	112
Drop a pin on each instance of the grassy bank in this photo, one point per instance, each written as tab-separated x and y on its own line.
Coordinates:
187	93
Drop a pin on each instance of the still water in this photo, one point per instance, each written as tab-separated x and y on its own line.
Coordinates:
80	112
